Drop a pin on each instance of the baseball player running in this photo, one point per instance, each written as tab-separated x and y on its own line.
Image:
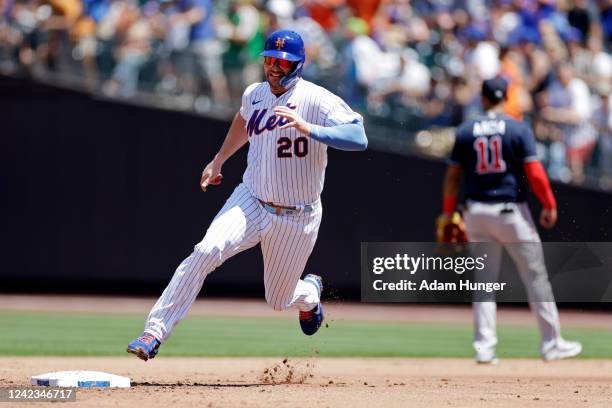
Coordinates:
497	154
288	123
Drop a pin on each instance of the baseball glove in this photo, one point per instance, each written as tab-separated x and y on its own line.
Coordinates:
450	229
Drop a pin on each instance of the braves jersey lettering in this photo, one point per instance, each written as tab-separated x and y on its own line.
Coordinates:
492	150
489	127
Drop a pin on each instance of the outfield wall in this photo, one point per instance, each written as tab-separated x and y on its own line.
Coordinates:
103	197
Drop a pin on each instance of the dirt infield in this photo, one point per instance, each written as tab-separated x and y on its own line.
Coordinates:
331	382
321	382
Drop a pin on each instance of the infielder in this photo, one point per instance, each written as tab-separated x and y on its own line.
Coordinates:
289	123
497	155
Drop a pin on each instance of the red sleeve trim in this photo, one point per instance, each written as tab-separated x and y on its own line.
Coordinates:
449	204
538	181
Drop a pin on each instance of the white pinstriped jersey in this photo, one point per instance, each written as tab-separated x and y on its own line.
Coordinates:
285	167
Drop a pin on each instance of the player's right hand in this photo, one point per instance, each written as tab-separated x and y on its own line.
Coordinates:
211	176
548	217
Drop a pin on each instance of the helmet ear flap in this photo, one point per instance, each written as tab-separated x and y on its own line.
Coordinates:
290	80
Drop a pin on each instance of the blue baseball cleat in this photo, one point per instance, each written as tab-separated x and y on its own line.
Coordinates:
311	321
145	346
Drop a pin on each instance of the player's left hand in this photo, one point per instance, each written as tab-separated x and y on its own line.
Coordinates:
294	119
548	217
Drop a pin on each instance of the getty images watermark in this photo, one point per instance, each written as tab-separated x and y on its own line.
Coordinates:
430	272
413	264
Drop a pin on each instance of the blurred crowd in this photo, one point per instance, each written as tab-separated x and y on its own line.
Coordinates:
412	63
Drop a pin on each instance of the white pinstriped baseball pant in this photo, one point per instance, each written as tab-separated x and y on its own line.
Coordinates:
484	222
286	243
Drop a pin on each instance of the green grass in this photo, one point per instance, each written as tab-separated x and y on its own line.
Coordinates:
72	334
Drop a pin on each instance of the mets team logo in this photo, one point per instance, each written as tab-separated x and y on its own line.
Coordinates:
280	43
257	125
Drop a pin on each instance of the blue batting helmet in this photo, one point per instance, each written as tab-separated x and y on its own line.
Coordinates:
288	45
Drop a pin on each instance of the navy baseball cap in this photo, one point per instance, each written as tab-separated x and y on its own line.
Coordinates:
495	89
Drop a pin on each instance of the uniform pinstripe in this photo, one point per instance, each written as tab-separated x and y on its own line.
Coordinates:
286	240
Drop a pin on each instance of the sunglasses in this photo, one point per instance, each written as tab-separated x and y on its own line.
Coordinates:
283	63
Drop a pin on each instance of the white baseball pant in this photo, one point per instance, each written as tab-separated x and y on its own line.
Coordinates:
286	243
485	222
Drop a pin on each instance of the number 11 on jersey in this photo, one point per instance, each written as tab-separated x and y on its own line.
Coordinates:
489	155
